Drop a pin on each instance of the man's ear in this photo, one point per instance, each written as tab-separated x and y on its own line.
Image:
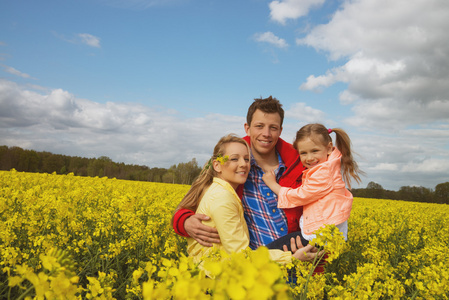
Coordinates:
246	126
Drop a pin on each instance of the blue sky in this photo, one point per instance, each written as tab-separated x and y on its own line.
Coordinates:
156	83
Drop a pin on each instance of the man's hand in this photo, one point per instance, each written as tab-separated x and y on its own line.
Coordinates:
203	234
303	253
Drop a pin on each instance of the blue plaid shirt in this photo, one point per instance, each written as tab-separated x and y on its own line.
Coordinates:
266	222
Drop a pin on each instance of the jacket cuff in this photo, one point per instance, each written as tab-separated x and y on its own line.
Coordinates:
179	219
282	198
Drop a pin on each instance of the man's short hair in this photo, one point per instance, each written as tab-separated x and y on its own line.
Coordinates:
268	105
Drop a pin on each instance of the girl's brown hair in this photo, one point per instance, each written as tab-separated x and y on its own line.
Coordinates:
349	166
192	199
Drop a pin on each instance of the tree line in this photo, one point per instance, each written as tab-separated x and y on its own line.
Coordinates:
407	193
45	162
182	173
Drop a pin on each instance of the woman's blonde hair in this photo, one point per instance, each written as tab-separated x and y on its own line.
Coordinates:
349	166
192	199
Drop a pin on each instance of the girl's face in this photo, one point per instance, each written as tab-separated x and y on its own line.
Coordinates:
236	169
313	153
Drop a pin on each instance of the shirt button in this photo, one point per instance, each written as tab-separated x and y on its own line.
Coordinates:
282	229
268	194
274	210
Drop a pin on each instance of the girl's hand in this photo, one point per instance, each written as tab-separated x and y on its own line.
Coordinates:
269	178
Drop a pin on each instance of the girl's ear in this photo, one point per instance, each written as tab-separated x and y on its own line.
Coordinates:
330	148
217	166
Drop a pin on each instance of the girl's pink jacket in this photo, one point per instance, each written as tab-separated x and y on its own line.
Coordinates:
323	195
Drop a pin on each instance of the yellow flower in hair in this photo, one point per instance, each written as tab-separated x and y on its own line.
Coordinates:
222	159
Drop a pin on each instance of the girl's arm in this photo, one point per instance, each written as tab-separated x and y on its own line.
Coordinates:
270	180
318	183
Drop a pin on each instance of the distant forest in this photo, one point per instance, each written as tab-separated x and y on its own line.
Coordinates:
46	162
182	173
406	193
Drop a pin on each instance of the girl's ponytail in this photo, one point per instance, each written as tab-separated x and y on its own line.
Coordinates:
192	199
349	166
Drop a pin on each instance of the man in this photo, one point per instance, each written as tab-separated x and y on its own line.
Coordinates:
265	221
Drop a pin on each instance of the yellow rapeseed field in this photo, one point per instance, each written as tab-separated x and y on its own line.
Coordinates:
69	237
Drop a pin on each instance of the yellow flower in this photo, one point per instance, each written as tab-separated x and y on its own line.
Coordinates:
395	249
14	280
222	159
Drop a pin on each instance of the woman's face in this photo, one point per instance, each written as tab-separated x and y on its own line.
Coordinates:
235	170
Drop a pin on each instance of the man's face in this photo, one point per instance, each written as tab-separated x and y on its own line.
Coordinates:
264	132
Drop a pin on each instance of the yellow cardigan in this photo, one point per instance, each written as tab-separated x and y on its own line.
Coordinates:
222	204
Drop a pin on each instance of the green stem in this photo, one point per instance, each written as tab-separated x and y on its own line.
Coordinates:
358	281
25	293
414	295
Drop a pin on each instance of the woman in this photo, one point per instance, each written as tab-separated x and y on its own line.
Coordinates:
214	194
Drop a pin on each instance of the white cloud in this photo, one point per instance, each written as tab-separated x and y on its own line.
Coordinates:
89	40
58	122
428	166
385	167
305	114
393	115
270	38
317	82
408	157
80	38
281	11
16	72
396	67
382	28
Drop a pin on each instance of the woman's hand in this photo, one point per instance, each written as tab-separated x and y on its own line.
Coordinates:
203	234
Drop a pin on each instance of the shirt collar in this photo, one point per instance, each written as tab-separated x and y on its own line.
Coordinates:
280	169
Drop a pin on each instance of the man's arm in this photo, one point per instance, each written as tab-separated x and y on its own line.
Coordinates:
306	253
188	224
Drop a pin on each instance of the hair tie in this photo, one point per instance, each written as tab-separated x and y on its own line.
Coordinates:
329	130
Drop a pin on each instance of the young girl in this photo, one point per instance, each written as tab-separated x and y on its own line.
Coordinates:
213	193
323	193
